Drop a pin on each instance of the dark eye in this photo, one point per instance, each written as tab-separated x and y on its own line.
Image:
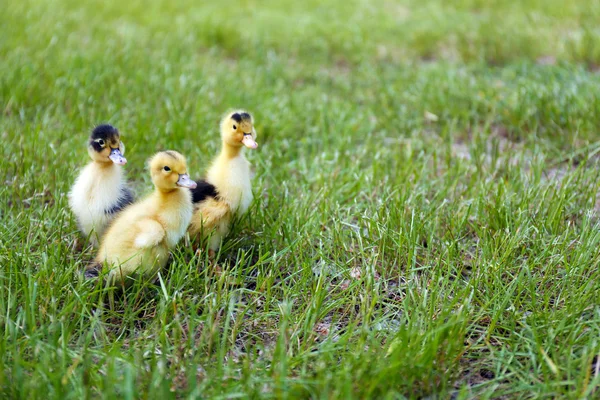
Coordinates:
166	168
100	142
234	127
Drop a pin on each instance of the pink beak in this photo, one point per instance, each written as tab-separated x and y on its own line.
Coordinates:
249	142
185	181
117	157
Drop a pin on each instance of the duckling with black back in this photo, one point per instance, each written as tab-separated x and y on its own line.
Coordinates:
101	190
226	192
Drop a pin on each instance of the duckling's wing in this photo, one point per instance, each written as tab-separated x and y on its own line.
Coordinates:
150	233
213	211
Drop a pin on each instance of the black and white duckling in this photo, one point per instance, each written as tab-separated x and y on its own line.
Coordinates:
101	191
138	241
226	192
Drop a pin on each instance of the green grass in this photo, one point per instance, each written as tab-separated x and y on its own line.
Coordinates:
425	220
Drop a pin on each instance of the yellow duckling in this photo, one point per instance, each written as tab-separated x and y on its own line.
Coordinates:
100	191
139	239
226	191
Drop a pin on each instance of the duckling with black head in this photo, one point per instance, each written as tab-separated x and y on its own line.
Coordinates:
101	189
138	241
226	192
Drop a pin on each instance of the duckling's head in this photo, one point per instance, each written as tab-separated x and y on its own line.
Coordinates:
237	129
105	145
169	171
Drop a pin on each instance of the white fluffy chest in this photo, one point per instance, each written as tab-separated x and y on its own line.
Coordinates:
95	191
232	180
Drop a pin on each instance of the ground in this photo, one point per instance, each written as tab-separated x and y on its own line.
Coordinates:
425	221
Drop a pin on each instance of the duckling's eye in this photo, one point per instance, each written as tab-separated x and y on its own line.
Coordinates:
167	169
100	142
234	127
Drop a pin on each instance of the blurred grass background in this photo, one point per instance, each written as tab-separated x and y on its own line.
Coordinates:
425	221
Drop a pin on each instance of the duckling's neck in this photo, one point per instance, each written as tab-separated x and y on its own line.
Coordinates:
168	195
228	151
104	165
172	201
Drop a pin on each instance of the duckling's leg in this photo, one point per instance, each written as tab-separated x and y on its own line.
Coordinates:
94	237
221	231
207	221
197	240
214	243
77	245
94	241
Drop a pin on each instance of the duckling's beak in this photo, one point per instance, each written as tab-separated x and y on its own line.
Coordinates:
117	157
185	181
249	141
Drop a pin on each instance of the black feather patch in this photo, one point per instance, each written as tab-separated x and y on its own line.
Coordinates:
236	117
246	117
125	199
203	190
92	270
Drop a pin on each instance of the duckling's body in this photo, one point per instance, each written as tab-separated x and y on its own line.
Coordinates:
140	238
226	192
100	191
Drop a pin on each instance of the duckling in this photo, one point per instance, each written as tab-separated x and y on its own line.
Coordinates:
139	239
100	191
226	191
